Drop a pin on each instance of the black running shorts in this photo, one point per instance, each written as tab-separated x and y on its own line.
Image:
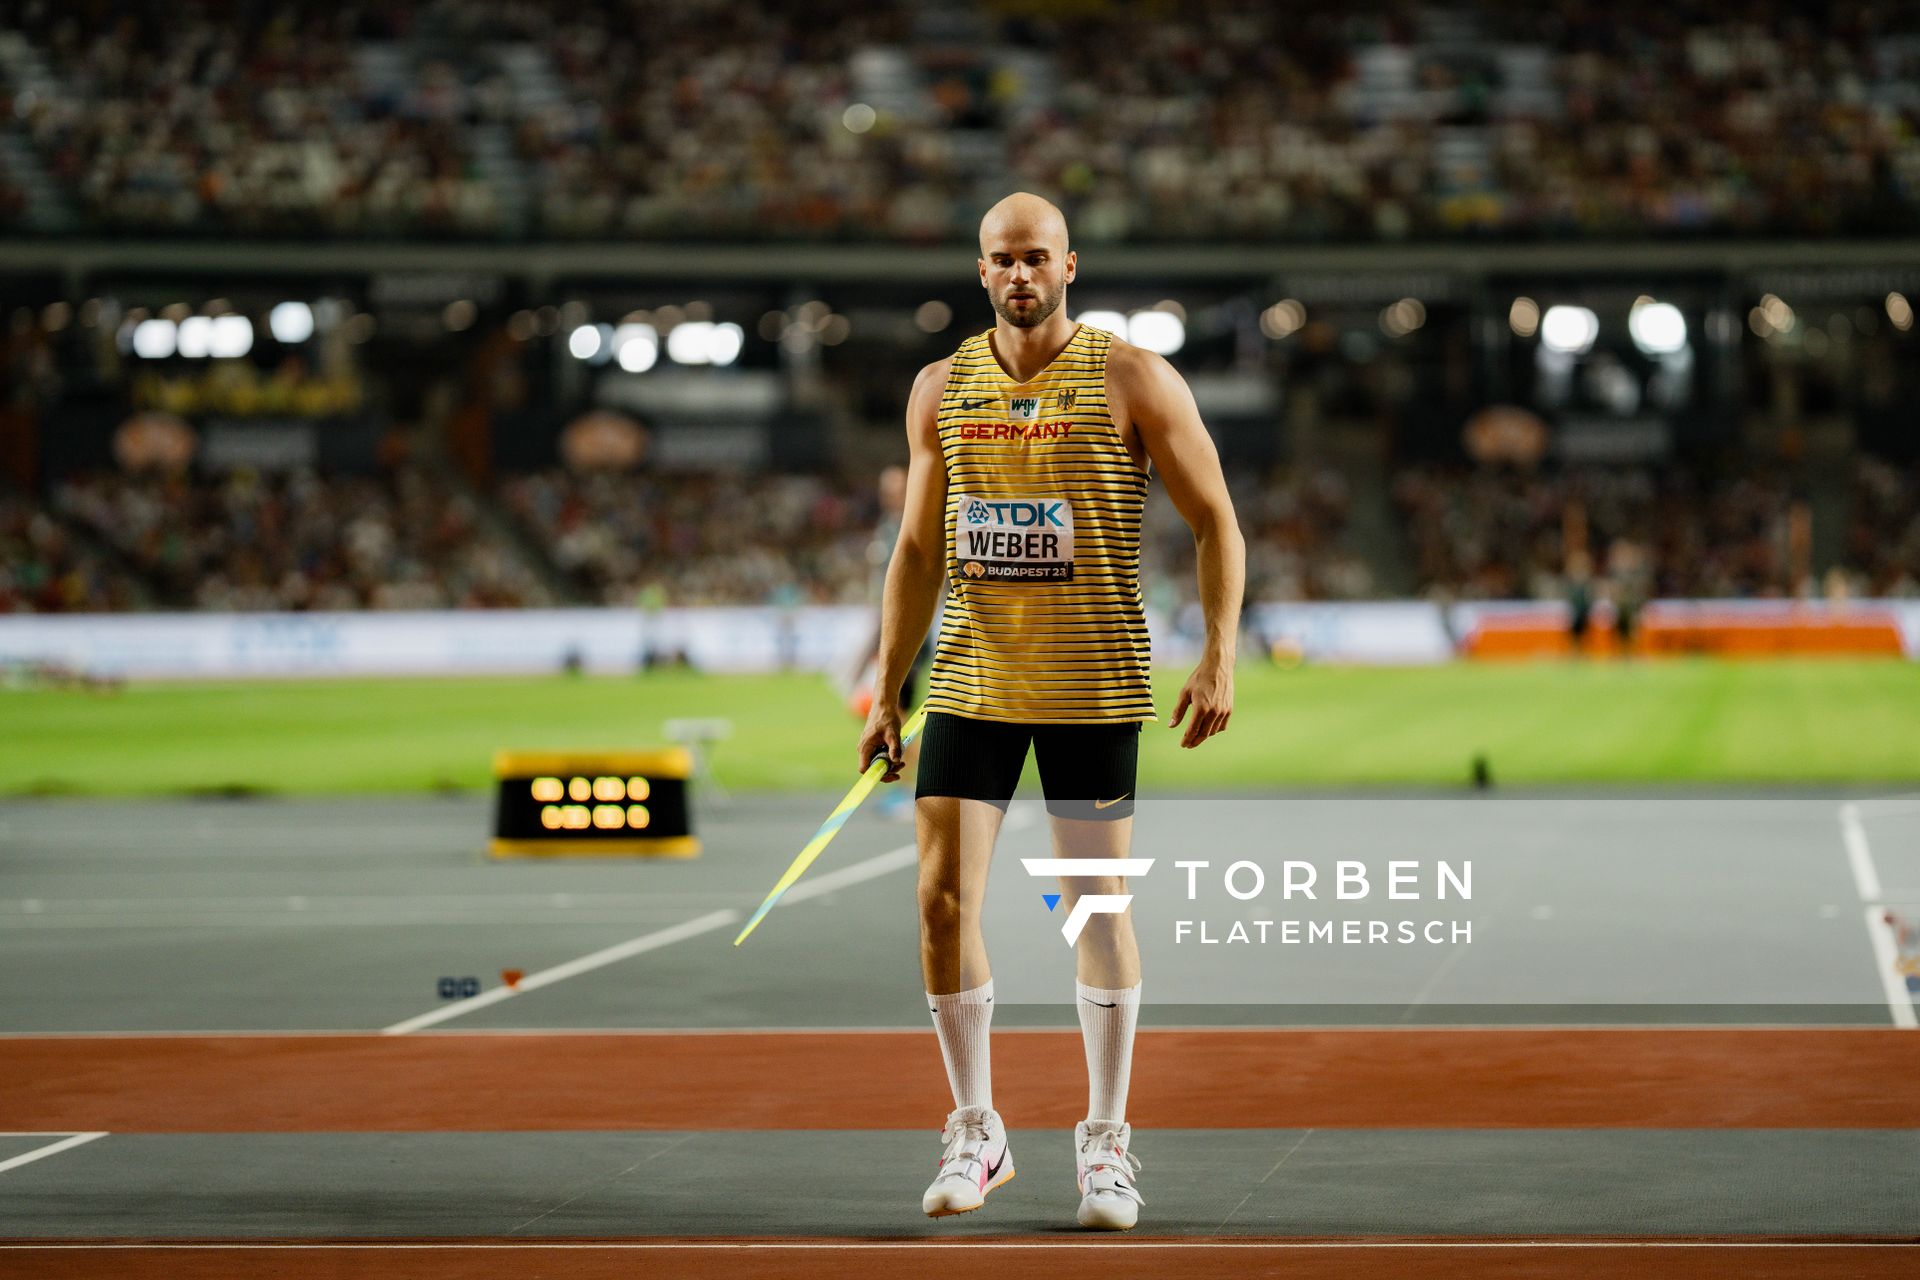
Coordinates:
1087	771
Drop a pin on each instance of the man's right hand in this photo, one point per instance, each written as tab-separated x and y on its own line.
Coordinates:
881	737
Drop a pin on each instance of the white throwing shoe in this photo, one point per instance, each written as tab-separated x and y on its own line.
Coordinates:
975	1162
1108	1199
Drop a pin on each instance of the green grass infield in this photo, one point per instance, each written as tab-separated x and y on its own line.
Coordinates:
1682	721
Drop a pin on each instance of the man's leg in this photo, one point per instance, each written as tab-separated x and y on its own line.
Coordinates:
1089	774
968	774
1106	965
956	847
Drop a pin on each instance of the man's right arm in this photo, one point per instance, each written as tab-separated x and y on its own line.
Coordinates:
916	570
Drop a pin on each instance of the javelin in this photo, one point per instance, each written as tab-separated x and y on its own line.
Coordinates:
831	827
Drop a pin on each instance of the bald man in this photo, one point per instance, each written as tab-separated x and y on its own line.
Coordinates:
1030	449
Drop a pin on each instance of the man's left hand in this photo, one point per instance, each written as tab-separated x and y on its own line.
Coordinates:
1209	694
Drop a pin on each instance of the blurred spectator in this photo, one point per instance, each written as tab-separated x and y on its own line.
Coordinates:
407	540
708	120
304	541
250	118
1295	521
43	569
733	539
1883	542
13	199
1208	120
1221	120
1493	534
701	539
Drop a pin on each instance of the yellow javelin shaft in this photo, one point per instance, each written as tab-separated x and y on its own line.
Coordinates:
831	827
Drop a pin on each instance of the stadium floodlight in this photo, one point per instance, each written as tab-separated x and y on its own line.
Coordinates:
1569	330
724	343
687	342
1523	317
196	337
1776	314
1160	332
232	337
637	347
584	343
1899	311
291	322
933	316
1111	321
1398	319
1657	328
154	339
1283	319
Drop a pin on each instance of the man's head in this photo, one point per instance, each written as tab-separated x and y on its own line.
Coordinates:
1025	264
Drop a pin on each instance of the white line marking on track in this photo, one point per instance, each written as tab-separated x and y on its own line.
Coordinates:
559	973
1866	879
1886	948
600	1182
968	1245
1292	1028
878	865
1295	1028
907	855
41	1153
1886	955
1434	979
338	920
1285	1156
507	903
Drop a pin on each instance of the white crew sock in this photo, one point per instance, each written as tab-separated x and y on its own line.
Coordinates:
1107	1020
962	1021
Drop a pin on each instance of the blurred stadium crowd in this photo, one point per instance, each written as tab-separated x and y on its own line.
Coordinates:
701	539
415	539
243	541
871	121
886	119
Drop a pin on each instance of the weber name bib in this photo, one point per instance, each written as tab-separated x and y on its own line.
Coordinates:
1013	539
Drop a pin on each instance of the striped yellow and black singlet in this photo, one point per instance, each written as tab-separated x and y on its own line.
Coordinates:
1033	635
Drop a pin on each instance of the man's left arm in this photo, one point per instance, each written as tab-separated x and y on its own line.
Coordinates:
1163	412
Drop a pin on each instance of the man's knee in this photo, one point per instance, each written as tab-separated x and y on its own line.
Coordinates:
1082	886
1103	927
940	902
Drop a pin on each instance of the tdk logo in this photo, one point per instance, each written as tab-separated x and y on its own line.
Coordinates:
1087	904
1020	515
